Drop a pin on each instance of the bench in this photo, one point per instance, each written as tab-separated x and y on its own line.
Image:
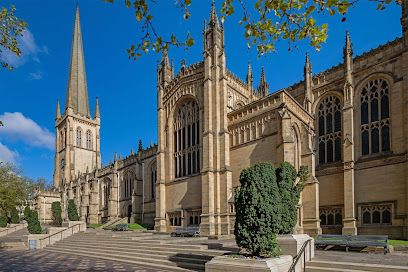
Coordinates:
191	231
352	240
121	227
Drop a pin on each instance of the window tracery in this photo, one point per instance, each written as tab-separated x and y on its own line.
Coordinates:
376	214
88	140
187	139
79	137
375	117
329	129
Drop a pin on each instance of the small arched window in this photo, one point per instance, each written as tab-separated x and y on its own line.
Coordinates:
375	117
79	137
186	139
88	140
329	129
62	140
153	176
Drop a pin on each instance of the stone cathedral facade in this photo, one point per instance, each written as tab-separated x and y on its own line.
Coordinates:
348	124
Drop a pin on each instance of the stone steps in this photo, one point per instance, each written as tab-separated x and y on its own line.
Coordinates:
159	253
151	261
320	266
13	246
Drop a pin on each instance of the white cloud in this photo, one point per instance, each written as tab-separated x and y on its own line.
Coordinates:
6	155
36	75
17	127
29	50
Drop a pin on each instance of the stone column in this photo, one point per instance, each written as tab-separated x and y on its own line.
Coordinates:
94	204
113	197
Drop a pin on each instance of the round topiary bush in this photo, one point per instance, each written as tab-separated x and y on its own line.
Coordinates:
56	213
72	211
15	219
3	221
34	226
258	211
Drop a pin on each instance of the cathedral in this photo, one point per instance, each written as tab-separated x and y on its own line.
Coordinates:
348	124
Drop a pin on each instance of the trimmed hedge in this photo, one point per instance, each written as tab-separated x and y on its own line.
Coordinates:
15	219
56	213
3	221
72	211
34	226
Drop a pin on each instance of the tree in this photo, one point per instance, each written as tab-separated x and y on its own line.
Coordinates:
34	226
72	211
3	221
271	21
290	193
56	213
26	212
10	28
258	210
15	219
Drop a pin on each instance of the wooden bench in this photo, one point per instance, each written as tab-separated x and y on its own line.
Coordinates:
191	231
352	240
121	227
369	240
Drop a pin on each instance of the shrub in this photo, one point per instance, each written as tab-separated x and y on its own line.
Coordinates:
26	212
72	211
56	213
34	226
3	221
258	210
15	219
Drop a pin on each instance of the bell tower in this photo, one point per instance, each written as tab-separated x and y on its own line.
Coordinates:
77	133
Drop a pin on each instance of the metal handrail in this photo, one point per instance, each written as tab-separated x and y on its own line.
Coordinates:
300	253
61	231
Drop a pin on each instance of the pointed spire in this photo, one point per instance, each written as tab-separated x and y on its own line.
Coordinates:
308	65
140	148
77	91
58	114
250	76
116	157
131	151
263	88
213	16
165	59
348	48
97	112
308	101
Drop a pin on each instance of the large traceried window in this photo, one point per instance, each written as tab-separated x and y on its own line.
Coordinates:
186	139
375	117
128	185
79	137
329	126
88	140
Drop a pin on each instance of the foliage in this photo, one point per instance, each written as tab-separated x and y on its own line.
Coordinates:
15	219
72	211
3	221
10	28
132	226
266	204
397	242
26	212
258	210
263	24
16	189
56	213
34	226
290	193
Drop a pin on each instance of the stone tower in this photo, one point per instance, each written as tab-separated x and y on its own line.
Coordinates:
77	141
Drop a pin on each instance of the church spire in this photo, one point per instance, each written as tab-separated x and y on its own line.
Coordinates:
97	112
58	113
309	99
77	91
213	16
263	88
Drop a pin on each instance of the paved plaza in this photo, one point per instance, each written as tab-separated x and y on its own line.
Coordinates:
45	261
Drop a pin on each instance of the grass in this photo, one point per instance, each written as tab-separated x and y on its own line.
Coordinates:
95	225
133	226
398	242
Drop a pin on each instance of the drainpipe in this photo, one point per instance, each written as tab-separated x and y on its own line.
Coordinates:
143	200
65	202
99	201
44	209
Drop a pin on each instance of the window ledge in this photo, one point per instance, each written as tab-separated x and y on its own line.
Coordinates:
375	156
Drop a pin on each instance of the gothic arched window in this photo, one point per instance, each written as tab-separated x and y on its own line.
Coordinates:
375	117
329	129
128	185
88	140
62	140
79	137
186	139
153	176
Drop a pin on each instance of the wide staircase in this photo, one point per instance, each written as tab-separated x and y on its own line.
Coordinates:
14	241
140	248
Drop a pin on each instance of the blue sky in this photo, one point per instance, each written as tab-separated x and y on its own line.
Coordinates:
127	88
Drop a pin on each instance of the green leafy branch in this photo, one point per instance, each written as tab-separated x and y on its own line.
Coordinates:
10	28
